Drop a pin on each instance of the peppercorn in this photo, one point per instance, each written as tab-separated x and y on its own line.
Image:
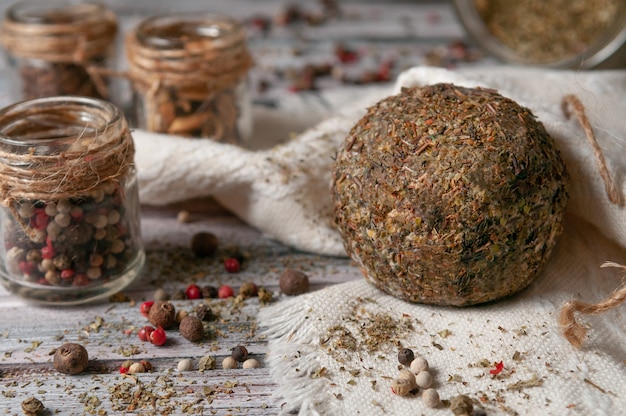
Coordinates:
225	291
424	379
204	244
191	328
293	282
161	294
70	358
209	292
248	290
183	216
184	365
430	397
251	363
178	295
406	356
163	314
239	353
204	312
229	363
418	365
136	368
32	406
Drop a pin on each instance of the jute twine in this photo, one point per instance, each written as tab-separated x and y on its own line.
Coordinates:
573	330
200	68
76	42
76	172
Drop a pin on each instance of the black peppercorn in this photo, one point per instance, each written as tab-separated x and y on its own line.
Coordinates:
204	244
191	328
239	353
163	314
293	282
209	292
406	356
204	312
70	358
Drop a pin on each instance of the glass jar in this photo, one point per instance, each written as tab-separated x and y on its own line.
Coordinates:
578	34
189	74
57	47
69	206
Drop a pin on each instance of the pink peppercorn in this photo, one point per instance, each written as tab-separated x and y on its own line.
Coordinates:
193	292
225	291
232	265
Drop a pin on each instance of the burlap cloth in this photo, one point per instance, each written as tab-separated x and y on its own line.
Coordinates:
283	192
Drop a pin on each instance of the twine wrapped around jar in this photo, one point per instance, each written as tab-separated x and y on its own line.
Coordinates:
180	71
69	206
79	35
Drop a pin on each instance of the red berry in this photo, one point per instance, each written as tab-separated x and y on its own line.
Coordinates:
232	265
67	274
193	292
157	337
123	369
40	220
27	267
144	308
48	252
225	291
80	280
144	333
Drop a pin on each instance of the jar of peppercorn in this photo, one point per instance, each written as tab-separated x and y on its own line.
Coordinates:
69	206
58	47
189	75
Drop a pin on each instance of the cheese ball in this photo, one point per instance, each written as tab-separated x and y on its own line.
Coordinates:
449	195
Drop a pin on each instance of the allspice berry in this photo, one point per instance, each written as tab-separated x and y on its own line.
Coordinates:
293	282
449	195
163	314
70	358
204	244
191	328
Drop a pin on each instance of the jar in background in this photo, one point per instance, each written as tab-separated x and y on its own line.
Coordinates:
577	34
69	206
56	47
189	74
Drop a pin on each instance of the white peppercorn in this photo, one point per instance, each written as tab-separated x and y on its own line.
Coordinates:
430	397
251	363
418	364
184	365
424	379
229	363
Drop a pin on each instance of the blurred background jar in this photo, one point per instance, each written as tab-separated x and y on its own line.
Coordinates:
189	74
576	34
69	206
56	47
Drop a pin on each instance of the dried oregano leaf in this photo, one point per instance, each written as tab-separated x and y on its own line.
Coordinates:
449	195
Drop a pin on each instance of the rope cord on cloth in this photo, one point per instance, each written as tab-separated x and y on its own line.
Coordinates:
284	192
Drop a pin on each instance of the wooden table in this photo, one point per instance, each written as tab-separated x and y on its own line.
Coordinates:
409	33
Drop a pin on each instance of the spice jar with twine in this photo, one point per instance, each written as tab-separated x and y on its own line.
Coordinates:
69	205
189	74
58	47
577	34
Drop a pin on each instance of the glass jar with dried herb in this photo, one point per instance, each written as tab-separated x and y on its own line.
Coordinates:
56	47
579	34
69	206
189	74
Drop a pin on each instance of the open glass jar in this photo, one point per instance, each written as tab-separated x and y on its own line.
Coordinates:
56	47
189	74
69	206
578	34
